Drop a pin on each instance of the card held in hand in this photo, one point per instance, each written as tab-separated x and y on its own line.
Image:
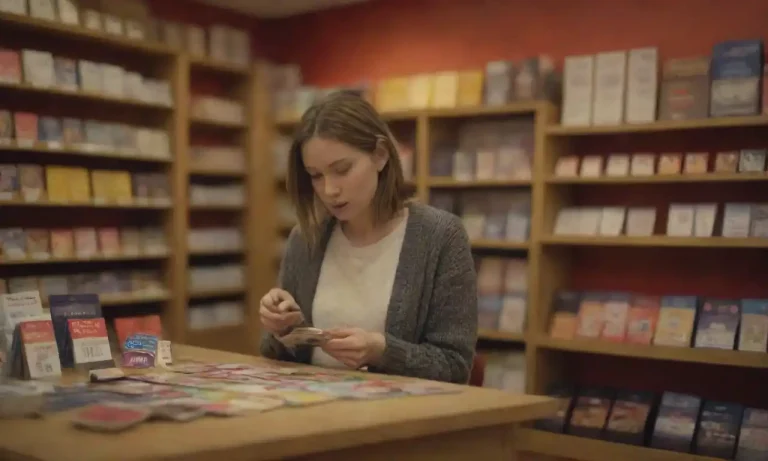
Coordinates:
305	336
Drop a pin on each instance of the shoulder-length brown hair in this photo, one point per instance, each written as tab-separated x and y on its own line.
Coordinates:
345	117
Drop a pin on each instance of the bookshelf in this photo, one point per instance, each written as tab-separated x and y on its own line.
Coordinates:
50	211
592	263
178	214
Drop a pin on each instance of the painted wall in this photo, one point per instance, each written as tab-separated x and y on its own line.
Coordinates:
398	37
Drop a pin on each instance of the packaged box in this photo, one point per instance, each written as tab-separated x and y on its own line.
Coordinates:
565	315
753	436
610	88
753	335
737	67
578	90
591	315
590	412
10	66
676	422
630	419
718	429
718	322
642	85
642	318
685	89
616	308
676	321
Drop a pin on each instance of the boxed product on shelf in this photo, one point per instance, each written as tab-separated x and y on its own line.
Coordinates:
9	182
642	85
578	90
505	370
752	435
502	290
226	195
221	277
10	66
717	323
194	41
218	109
218	158
718	429
610	87
736	71
753	335
631	417
15	7
676	422
224	313
590	412
215	239
684	89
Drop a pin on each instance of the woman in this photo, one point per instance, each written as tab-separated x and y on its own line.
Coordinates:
392	282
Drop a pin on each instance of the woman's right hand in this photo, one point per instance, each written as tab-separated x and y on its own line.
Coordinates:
279	312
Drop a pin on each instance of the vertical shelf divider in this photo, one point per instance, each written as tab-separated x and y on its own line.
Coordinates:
175	316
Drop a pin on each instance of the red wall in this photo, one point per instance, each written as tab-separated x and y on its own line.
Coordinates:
382	38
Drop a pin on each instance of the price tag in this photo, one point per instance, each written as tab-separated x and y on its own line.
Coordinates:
43	360
89	340
164	355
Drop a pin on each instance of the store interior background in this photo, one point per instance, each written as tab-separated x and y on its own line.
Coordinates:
383	38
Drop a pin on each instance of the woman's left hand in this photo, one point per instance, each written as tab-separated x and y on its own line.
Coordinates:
355	347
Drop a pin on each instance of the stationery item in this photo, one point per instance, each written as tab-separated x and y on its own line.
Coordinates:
590	412
752	161
41	356
754	325
591	315
737	219
139	351
31	182
591	166
616	307
612	221
718	429
304	336
718	322
704	220
567	166
676	321
90	345
676	422
565	317
753	436
618	165
680	220
630	417
105	375
642	318
643	164
66	307
670	163
696	163
727	162
9	182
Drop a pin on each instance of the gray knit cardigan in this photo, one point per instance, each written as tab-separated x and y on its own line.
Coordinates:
431	326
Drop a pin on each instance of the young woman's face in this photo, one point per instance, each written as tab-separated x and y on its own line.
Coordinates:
344	178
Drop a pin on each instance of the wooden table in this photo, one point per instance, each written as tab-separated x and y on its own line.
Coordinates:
474	424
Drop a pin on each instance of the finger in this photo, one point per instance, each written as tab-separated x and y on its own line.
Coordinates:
293	318
341	332
345	344
271	315
287	306
279	295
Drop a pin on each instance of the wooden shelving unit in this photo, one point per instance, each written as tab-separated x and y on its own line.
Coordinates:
558	259
152	60
245	84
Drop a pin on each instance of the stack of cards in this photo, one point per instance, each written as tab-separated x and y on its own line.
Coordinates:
90	344
305	336
64	308
34	354
15	308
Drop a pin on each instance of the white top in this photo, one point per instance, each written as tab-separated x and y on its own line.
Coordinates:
355	285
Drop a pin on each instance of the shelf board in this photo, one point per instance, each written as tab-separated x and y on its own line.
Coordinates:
662	125
677	354
220	207
657	241
217	293
75	152
504	336
515	108
217	123
128	299
223	251
584	449
65	30
219	66
218	172
483	244
82	96
50	204
27	262
448	182
661	179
